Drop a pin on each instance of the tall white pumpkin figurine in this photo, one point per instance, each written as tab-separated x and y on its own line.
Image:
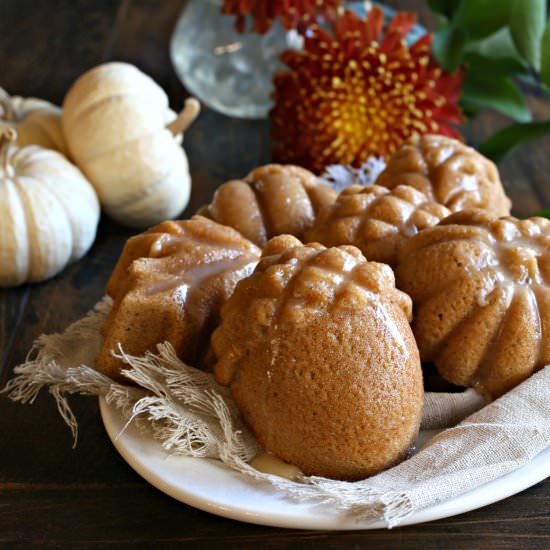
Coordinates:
48	212
123	136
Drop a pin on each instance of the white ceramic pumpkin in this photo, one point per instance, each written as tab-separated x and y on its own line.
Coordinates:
123	136
36	121
48	212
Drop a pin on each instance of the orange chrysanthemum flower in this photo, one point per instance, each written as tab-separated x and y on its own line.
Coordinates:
294	14
358	93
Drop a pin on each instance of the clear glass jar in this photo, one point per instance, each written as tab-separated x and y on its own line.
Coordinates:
230	71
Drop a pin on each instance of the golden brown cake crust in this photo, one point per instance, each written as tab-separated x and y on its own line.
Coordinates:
321	361
448	172
272	200
375	219
479	285
169	285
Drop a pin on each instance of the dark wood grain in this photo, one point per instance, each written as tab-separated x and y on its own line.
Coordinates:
12	307
45	46
97	516
52	496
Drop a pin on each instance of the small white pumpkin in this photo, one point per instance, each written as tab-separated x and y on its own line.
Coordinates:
48	212
37	122
123	136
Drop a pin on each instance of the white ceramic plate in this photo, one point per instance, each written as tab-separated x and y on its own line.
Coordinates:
215	488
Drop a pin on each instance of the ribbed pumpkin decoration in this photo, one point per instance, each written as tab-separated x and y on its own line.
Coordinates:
48	212
37	122
123	136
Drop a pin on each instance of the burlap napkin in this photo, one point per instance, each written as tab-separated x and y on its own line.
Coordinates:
191	415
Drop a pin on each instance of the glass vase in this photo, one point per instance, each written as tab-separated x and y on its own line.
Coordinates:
230	71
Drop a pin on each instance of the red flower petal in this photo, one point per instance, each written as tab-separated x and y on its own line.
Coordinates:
397	30
356	93
294	14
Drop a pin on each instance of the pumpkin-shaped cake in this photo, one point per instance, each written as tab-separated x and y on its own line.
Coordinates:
169	285
322	364
481	300
376	220
272	200
448	172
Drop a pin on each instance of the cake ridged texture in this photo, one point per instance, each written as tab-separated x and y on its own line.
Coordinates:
317	349
169	285
377	220
448	172
272	200
479	285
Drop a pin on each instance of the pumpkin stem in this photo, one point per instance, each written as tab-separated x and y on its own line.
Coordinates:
6	105
186	117
7	136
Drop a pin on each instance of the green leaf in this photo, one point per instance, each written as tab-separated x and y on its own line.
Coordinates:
501	143
469	109
448	46
527	19
493	66
496	92
545	56
543	214
482	18
441	23
444	7
499	48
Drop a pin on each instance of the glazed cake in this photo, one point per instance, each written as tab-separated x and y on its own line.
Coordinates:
272	200
169	285
448	172
479	285
321	361
377	220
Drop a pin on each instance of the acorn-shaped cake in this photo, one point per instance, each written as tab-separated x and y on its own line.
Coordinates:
448	172
377	220
169	285
479	285
272	200
322	364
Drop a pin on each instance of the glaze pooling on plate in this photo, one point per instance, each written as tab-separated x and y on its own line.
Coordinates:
213	487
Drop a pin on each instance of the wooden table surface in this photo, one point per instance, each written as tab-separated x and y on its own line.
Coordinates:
54	496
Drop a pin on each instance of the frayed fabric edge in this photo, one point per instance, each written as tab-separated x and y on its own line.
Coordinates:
164	399
183	408
188	412
42	368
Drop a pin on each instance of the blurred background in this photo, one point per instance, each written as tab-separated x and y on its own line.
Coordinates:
46	45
